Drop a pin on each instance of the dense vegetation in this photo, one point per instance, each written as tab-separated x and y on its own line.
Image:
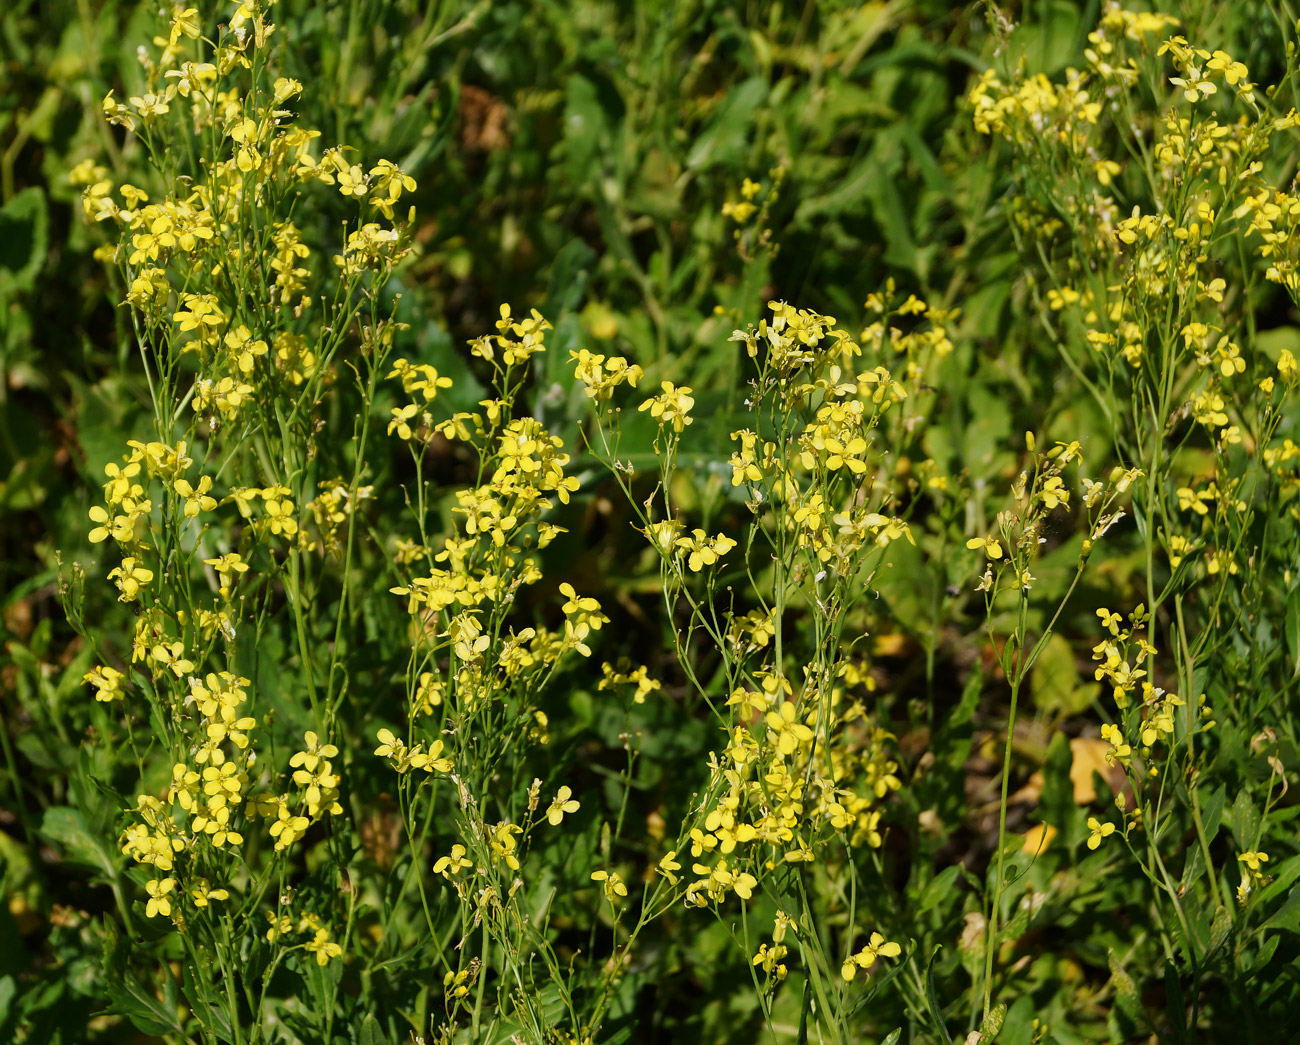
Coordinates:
849	593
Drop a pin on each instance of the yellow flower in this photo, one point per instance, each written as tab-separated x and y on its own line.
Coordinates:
1232	71
196	499
668	865
1253	859
158	891
704	550
107	682
789	733
202	893
612	883
672	406
1105	171
877	947
770	959
1099	831
120	527
456	985
453	864
288	827
323	947
562	804
130	578
185	22
1115	739
739	212
1053	493
990	545
226	567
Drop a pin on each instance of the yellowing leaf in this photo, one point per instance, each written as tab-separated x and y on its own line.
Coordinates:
1088	754
1038	838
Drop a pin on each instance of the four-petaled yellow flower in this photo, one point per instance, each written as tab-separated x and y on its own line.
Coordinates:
562	804
877	947
452	864
1253	859
323	947
672	406
130	578
612	883
990	545
1099	831
202	893
789	732
158	891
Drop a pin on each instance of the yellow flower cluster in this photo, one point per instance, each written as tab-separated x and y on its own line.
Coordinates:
218	281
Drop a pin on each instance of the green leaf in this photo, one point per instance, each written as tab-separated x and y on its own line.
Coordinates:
1126	992
1175	1008
1288	915
8	989
1245	821
1193	868
584	128
1220	928
932	996
936	888
992	1023
1292	629
66	827
132	999
211	1008
1212	814
1055	680
804	1009
1050	41
24	241
371	1032
724	138
891	212
1265	955
1286	873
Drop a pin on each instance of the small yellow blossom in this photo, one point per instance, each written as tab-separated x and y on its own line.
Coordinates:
1099	831
562	804
878	947
612	884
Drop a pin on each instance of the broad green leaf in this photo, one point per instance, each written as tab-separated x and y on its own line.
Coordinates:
24	240
726	134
